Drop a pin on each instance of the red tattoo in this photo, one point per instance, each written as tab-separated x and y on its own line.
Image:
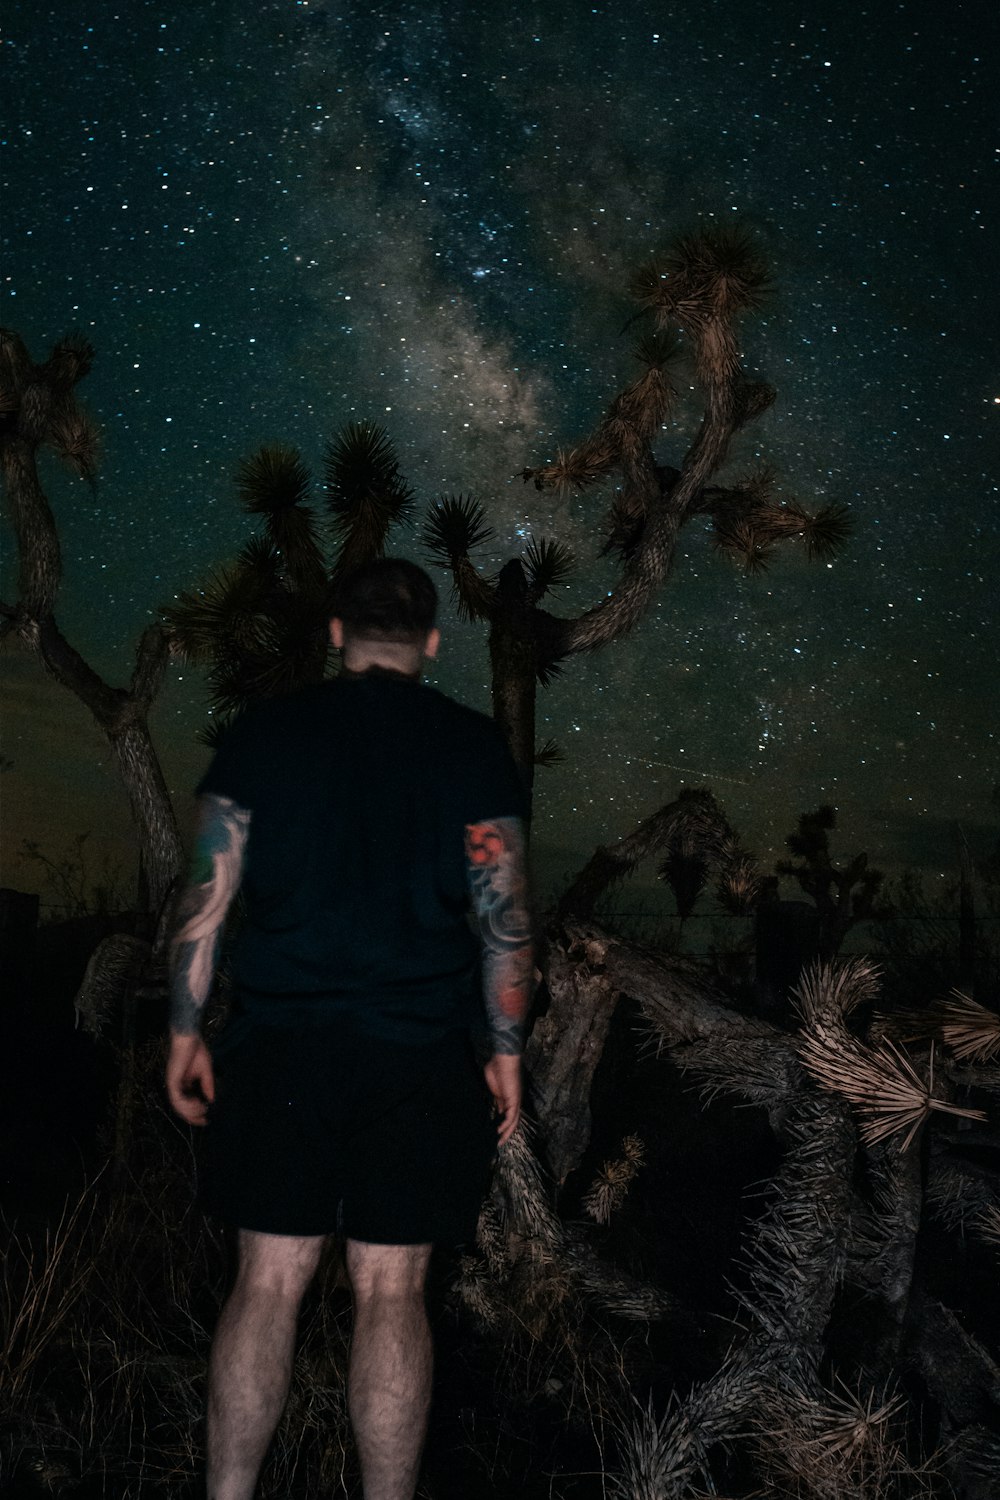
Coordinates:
514	1002
483	844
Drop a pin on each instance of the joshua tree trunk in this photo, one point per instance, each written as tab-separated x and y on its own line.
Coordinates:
42	408
513	659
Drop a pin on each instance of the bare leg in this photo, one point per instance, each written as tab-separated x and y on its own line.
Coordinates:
389	1381
251	1361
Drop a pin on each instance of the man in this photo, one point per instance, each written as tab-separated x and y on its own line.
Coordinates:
359	819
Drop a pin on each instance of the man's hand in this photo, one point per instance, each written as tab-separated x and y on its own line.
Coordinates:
503	1078
190	1080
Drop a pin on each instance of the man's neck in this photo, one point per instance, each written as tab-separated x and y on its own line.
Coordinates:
401	661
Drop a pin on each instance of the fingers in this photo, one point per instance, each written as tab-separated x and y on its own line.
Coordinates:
509	1121
204	1075
190	1080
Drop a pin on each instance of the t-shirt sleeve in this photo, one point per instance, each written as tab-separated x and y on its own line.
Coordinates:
233	772
498	790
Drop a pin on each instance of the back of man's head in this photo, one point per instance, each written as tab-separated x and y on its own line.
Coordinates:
389	599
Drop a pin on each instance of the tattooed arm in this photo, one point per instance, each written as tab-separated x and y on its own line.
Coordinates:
214	880
495	861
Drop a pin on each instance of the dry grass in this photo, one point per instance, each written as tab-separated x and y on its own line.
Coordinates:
107	1324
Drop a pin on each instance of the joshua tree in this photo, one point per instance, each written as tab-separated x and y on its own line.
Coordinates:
843	897
260	625
698	289
39	408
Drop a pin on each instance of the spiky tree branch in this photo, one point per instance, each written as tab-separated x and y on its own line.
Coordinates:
699	289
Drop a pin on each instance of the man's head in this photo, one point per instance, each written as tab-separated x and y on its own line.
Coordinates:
382	614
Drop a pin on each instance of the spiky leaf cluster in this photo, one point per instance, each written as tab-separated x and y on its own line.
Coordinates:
880	1082
228	612
719	271
454	527
609	1188
749	522
547	564
549	754
365	491
274	479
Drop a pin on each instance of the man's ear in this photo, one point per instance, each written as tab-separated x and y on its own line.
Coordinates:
337	633
431	644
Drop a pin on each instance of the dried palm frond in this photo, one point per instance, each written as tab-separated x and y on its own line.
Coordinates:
976	1452
968	1029
880	1082
625	529
272	480
547	564
608	1190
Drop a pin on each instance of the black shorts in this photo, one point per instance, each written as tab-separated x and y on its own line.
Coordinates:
320	1128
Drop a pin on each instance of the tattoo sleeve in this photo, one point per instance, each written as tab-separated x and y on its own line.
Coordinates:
495	860
216	869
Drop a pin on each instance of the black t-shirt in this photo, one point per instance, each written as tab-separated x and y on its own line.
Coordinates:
355	884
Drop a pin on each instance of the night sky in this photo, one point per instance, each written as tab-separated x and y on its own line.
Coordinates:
273	218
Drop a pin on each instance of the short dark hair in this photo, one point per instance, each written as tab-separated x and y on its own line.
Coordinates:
389	599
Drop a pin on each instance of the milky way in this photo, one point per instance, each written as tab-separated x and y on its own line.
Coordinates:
271	219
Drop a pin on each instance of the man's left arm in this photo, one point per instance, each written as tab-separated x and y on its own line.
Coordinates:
216	871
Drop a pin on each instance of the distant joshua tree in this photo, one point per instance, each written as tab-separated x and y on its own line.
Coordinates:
698	289
843	896
260	624
39	409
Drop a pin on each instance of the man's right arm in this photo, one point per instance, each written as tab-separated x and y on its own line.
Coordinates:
216	870
497	873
